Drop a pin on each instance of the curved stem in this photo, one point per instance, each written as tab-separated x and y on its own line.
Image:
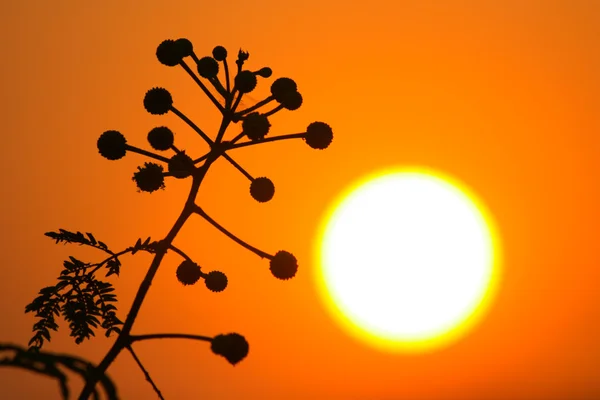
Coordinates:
180	252
273	111
271	139
261	103
253	249
134	149
137	338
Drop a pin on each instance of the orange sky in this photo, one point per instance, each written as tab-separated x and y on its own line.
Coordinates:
502	95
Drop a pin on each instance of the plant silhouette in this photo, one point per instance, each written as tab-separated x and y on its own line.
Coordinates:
84	298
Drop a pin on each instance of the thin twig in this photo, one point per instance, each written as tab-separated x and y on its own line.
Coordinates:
253	249
270	139
137	338
145	371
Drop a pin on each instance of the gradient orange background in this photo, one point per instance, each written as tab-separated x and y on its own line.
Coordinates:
502	95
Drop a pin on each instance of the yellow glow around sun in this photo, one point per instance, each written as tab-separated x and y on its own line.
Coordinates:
407	259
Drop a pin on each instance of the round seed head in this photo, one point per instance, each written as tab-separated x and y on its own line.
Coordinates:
112	145
255	126
188	272
245	81
181	165
283	265
292	100
262	189
168	53
219	53
232	346
158	101
264	72
215	281
149	178
318	135
160	138
281	87
184	47
208	67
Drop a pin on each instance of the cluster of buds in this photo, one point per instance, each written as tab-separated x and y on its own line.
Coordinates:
226	95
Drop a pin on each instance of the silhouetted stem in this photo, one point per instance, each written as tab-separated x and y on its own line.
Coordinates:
273	111
145	371
137	338
271	139
202	86
180	252
261	103
218	87
227	82
175	149
256	251
192	125
123	339
146	153
237	100
238	137
238	166
204	157
41	360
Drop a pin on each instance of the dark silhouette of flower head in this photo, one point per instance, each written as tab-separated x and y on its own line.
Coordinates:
215	281
232	346
184	47
281	87
262	189
149	178
188	272
158	101
264	72
181	165
161	138
245	81
219	53
242	57
208	67
168	53
112	145
255	126
283	265
292	101
318	135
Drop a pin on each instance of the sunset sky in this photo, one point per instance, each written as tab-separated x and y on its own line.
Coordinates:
501	95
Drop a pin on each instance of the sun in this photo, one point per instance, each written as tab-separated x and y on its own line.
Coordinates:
408	260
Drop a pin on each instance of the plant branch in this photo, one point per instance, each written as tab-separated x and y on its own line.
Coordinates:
123	338
270	139
192	125
238	166
137	338
261	103
181	253
227	75
134	149
145	371
256	251
273	111
202	86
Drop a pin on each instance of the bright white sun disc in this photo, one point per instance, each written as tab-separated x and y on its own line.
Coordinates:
407	259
